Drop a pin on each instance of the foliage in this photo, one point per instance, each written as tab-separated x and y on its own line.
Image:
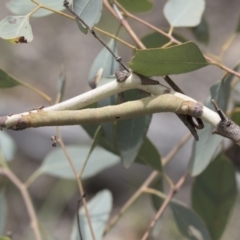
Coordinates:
158	53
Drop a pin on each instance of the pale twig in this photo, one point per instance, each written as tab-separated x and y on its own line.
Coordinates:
79	182
169	197
22	188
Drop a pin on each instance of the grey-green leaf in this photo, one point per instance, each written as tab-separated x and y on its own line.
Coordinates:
24	7
99	210
157	40
3	212
238	26
184	13
183	58
104	61
201	32
8	146
131	132
7	81
88	10
136	5
214	193
149	155
204	149
189	224
56	164
156	200
16	29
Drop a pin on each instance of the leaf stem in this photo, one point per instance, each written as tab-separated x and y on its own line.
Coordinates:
32	178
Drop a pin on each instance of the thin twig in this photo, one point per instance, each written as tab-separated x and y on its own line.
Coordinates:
28	202
174	40
91	30
146	183
60	141
170	195
125	24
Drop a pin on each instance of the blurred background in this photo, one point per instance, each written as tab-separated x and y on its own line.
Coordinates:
58	42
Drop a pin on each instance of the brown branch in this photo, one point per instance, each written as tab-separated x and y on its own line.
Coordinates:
170	195
146	183
27	199
80	186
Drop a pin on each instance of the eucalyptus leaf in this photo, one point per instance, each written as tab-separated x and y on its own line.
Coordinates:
61	82
24	7
6	80
104	61
189	224
136	5
56	164
149	155
204	149
131	132
156	200
238	26
8	146
3	212
16	29
214	193
157	40
88	10
183	58
99	210
184	13
201	32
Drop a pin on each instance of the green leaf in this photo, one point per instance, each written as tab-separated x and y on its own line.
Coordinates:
24	7
149	155
8	146
157	40
214	193
61	82
184	13
3	212
88	10
131	132
204	149
183	58
81	27
156	200
104	61
238	26
99	210
189	224
7	81
56	164
136	6
201	32
16	29
5	238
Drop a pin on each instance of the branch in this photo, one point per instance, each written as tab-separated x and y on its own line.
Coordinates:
22	188
146	183
168	101
169	197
